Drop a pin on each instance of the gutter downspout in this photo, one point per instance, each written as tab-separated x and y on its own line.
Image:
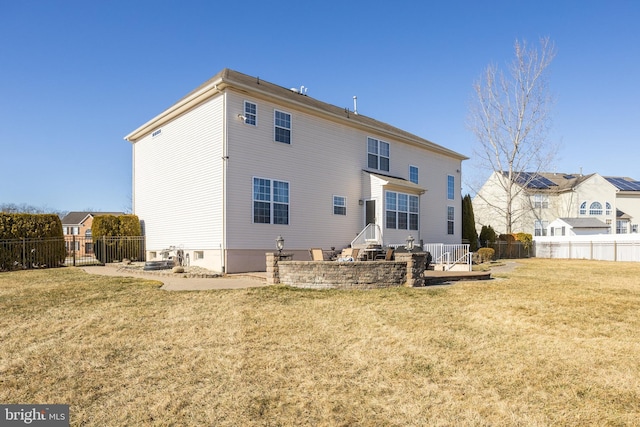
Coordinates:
225	158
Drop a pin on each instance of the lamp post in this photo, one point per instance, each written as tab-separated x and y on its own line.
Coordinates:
409	246
280	244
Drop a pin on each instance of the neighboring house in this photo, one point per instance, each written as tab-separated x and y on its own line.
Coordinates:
541	198
240	161
76	227
577	227
627	205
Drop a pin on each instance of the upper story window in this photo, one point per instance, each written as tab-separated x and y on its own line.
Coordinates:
595	208
339	205
413	174
282	123
378	154
583	208
250	113
270	201
401	211
540	201
72	230
608	207
451	183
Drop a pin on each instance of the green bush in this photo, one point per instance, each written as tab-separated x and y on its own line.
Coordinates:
487	235
116	237
31	240
486	254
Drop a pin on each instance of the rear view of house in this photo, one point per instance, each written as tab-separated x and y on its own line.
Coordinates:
240	161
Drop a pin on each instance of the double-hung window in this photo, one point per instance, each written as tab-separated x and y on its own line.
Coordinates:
282	123
401	211
377	154
540	201
413	174
339	205
250	113
451	218
540	227
451	183
270	201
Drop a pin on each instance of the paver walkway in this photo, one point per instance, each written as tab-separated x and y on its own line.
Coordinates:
174	282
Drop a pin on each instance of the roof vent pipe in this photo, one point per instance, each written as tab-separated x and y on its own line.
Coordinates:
355	105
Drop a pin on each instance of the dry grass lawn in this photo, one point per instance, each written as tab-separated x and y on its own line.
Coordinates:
550	343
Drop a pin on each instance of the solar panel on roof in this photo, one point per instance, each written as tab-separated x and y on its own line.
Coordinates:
623	184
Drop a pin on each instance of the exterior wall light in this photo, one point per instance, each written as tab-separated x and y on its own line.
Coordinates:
280	244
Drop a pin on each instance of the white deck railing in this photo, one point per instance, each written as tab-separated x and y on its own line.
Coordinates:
370	235
449	255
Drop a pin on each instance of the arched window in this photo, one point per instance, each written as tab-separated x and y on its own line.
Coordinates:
583	208
595	208
608	206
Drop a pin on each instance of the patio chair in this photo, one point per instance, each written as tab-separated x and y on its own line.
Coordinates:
316	254
387	256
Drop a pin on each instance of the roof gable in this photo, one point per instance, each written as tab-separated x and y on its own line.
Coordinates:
78	217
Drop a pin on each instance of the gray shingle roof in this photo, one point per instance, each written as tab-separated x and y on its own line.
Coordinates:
76	217
585	222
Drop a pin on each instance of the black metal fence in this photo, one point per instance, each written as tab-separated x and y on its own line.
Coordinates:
69	250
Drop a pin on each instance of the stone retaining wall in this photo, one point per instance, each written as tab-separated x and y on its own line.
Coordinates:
406	270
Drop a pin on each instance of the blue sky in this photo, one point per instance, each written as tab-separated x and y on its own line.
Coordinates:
77	76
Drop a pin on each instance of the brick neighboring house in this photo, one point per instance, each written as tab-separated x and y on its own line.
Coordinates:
76	227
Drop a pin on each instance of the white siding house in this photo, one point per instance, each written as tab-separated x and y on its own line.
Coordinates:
542	198
240	161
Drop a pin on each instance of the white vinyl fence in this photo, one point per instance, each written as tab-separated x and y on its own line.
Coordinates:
605	247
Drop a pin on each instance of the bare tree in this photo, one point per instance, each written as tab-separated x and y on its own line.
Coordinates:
510	119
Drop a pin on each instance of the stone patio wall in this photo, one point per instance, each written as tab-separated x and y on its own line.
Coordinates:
406	270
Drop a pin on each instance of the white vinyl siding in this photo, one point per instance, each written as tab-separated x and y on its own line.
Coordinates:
177	180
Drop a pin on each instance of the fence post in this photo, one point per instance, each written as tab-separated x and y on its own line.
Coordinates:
73	250
24	254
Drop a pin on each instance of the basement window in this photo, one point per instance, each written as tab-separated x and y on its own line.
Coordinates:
198	254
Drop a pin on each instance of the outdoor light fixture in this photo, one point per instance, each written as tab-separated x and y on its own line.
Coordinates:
280	244
410	241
